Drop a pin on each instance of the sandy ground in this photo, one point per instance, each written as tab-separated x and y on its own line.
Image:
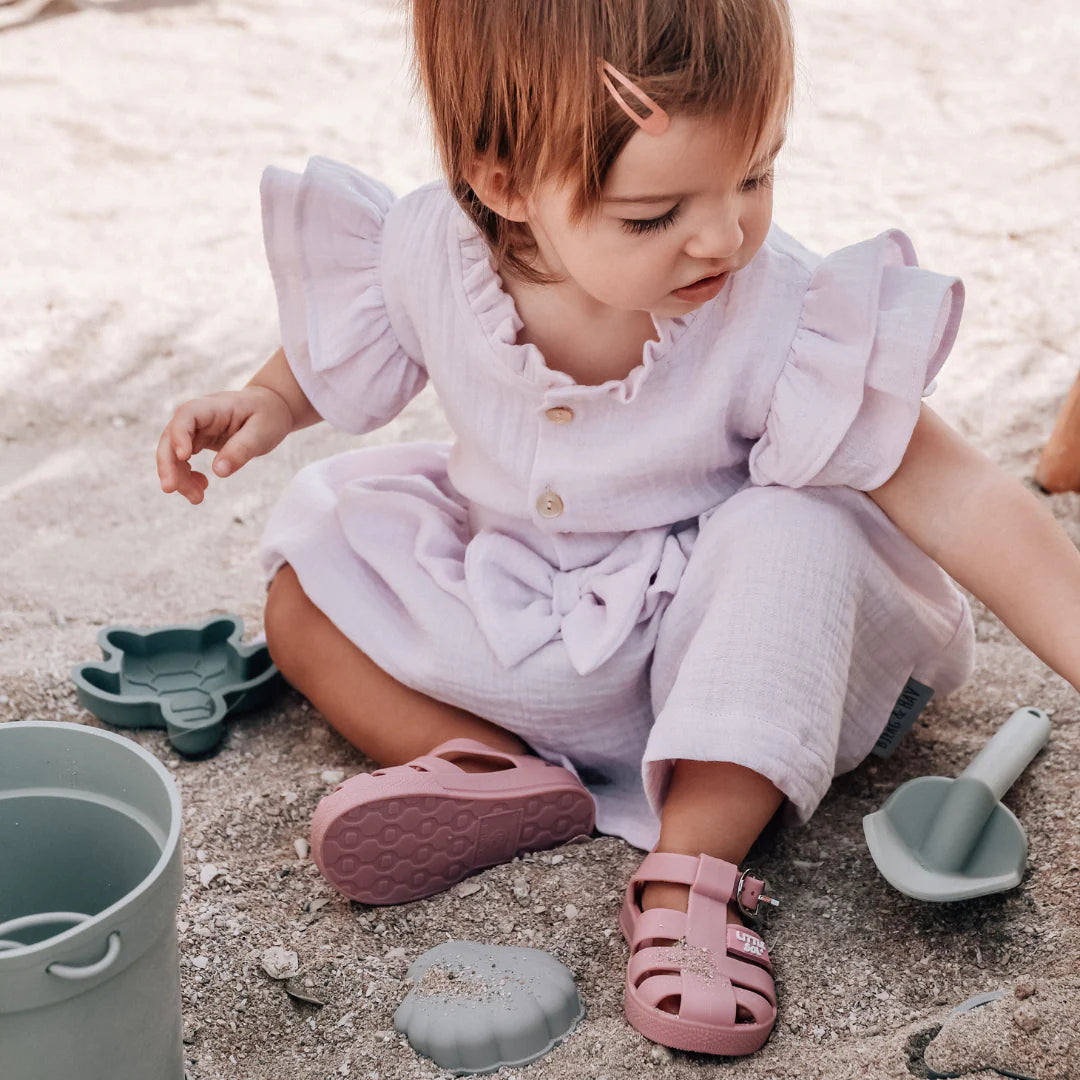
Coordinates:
131	143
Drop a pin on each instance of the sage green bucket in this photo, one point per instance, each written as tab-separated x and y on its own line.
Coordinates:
90	878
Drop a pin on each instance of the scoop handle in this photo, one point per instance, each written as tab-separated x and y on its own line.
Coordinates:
1009	752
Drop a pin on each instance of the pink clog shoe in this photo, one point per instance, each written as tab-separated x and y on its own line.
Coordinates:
716	974
408	831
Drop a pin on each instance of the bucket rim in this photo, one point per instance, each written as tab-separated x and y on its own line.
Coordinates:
168	851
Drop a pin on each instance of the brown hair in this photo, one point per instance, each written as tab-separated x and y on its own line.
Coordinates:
517	80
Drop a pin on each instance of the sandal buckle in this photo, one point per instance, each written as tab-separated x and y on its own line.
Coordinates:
762	898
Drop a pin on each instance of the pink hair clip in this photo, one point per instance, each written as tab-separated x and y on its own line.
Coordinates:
656	123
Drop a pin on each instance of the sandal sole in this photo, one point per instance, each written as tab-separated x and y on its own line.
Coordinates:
403	847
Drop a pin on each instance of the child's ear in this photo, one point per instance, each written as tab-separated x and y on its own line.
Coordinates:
488	179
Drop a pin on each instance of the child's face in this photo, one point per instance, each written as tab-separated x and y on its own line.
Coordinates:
706	212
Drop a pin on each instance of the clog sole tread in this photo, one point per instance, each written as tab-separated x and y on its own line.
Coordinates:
405	847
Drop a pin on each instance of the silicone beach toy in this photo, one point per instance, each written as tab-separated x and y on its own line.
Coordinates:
92	872
476	1007
939	839
183	678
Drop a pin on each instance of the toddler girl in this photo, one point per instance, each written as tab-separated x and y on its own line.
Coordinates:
689	544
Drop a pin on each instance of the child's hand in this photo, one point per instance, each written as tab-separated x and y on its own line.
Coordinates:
239	424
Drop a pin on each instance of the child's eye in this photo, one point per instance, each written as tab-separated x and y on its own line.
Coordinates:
637	226
753	183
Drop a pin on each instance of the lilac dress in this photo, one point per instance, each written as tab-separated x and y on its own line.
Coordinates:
677	564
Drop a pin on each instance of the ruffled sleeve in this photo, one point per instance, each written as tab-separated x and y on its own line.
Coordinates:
873	333
323	235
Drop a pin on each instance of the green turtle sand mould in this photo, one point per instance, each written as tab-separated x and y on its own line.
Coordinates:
186	679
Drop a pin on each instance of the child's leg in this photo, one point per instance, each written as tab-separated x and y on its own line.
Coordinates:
712	808
799	618
424	829
389	722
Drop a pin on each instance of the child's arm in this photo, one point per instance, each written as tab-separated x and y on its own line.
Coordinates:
276	375
992	536
238	424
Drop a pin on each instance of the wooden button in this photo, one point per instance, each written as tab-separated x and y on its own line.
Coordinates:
549	505
560	414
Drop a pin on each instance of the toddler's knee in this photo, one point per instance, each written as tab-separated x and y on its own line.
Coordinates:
809	514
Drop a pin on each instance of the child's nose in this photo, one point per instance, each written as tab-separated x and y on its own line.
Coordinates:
718	238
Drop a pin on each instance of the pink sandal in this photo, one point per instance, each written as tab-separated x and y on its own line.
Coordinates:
714	970
408	831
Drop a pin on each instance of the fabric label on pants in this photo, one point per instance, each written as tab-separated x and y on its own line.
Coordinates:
912	700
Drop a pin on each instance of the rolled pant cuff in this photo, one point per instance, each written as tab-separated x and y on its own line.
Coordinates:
773	752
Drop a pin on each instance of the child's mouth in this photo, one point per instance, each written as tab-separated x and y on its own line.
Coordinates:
705	289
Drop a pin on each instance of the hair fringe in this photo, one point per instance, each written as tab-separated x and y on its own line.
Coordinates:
517	81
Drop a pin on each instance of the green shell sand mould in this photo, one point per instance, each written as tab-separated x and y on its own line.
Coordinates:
475	1008
186	679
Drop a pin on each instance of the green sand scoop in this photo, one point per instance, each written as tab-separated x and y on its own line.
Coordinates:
939	839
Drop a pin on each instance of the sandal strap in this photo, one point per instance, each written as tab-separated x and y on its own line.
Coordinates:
667	866
706	875
744	943
472	747
706	995
752	968
436	762
663	923
523	771
653	990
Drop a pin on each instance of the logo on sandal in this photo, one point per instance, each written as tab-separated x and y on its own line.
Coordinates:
751	943
498	836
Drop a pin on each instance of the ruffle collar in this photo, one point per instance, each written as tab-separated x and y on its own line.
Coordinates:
496	313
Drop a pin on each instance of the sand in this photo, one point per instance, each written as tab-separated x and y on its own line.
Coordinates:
133	137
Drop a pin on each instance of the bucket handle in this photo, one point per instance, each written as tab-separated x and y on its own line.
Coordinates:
67	971
44	918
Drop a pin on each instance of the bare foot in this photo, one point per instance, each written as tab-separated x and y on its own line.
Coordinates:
473	763
668	894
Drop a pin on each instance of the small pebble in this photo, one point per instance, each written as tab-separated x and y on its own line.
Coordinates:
301	846
466	888
289	797
1026	1018
570	911
1024	987
331	776
279	963
200	962
207	874
556	859
660	1054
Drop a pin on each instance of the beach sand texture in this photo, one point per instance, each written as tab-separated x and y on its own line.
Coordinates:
132	139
